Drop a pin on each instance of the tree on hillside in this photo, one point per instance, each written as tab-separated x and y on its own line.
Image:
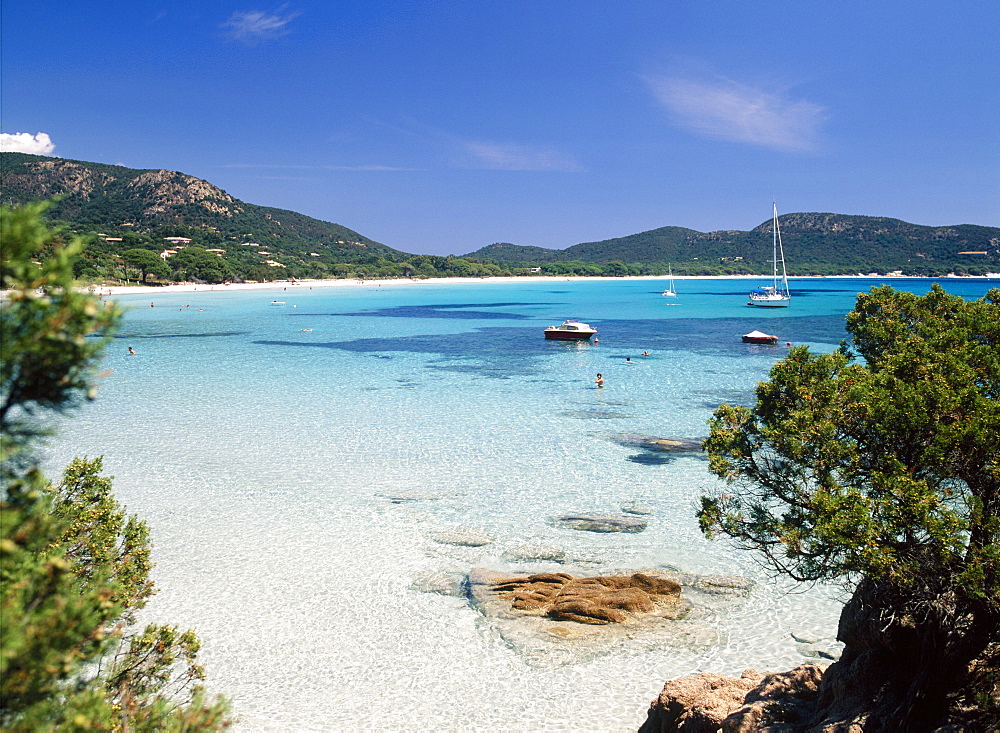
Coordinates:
196	263
74	568
879	465
146	262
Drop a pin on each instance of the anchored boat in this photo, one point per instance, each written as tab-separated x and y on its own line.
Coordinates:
774	295
570	330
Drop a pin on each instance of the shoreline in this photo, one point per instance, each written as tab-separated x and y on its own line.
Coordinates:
112	290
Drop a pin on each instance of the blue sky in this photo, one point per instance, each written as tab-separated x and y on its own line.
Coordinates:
442	126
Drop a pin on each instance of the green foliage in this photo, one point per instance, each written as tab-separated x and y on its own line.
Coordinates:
101	544
196	263
74	568
879	465
47	353
888	469
146	262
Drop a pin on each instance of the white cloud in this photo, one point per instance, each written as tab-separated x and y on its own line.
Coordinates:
727	110
24	142
513	157
254	26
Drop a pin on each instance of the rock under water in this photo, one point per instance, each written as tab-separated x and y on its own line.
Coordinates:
553	619
598	523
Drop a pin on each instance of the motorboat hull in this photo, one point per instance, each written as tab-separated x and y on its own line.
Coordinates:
570	331
557	335
758	337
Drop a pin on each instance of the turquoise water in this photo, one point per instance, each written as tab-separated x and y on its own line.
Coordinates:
299	465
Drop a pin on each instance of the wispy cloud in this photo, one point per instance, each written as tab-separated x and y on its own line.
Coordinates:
255	26
727	110
516	157
23	142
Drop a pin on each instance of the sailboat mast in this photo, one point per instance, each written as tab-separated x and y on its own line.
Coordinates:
781	251
774	244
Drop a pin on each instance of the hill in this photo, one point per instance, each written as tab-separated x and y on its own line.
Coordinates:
219	237
814	243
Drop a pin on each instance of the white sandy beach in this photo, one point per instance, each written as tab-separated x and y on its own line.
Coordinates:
351	282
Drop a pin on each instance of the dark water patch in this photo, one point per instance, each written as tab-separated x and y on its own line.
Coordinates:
652	459
717	335
493	352
504	352
463	311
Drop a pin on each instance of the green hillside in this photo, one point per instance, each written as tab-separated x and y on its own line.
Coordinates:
199	232
122	209
814	243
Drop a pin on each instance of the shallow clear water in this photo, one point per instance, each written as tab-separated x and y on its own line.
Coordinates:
295	481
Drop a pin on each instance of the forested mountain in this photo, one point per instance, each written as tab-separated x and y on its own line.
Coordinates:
172	226
814	243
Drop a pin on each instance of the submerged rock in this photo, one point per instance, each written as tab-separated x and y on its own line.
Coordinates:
462	537
530	553
661	445
598	523
636	507
446	584
557	621
595	600
657	451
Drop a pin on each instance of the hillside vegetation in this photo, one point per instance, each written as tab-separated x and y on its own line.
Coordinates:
160	225
814	244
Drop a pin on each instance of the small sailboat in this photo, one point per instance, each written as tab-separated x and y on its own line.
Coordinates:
670	292
774	295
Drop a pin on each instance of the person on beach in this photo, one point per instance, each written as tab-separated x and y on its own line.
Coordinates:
599	381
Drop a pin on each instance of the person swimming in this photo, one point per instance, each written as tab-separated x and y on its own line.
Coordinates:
600	380
628	360
131	350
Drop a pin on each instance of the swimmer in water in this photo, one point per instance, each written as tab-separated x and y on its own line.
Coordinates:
600	380
131	350
628	360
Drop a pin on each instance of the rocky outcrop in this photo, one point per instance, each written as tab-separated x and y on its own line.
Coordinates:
61	177
698	704
709	703
167	190
894	675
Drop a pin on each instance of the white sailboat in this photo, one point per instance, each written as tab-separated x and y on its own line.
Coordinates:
774	295
670	292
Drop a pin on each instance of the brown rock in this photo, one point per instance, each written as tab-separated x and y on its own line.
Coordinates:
595	600
709	703
698	704
782	698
